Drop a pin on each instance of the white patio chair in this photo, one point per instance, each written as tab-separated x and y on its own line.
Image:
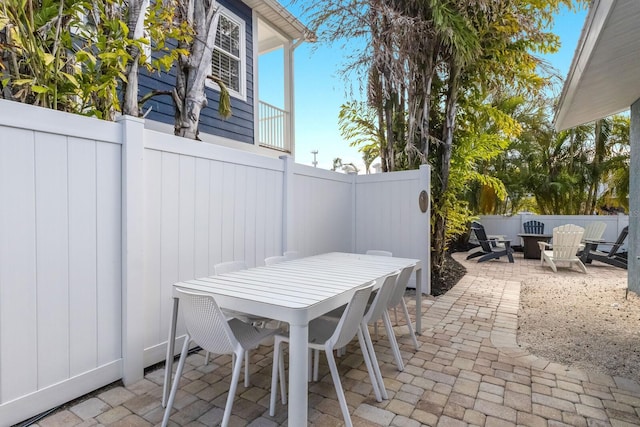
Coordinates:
375	311
397	299
378	253
207	327
274	260
229	267
328	335
566	241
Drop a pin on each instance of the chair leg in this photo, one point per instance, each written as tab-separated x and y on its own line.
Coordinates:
206	358
368	362
316	364
246	369
409	325
283	381
392	340
581	266
374	361
176	380
277	369
232	389
510	256
338	385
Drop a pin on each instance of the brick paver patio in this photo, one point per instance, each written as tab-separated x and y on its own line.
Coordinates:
469	371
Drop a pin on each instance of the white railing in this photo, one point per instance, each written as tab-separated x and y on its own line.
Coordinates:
273	127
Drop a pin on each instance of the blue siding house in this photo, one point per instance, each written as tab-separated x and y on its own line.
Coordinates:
246	30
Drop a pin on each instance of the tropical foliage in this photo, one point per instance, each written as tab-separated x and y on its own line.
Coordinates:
436	73
84	56
75	56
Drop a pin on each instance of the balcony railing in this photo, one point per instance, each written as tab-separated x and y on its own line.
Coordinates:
273	130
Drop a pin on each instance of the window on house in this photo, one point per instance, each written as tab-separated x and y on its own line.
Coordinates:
229	52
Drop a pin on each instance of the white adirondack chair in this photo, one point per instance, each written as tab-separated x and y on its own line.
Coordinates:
593	232
566	242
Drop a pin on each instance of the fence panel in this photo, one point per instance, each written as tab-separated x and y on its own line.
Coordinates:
323	211
204	205
60	322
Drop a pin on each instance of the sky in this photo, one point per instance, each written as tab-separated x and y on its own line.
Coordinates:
321	88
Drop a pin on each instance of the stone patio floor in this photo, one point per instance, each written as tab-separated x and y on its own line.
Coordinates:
468	371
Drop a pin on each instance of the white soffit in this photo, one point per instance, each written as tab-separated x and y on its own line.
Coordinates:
604	77
277	16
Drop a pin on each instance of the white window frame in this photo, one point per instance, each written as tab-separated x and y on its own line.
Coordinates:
242	93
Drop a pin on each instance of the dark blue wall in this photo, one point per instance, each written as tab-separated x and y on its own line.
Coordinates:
239	126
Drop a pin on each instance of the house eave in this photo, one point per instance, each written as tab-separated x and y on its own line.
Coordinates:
279	17
602	79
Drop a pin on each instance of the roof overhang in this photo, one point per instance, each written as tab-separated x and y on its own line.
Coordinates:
274	14
604	77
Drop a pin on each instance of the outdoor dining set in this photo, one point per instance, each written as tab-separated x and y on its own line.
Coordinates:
567	243
315	304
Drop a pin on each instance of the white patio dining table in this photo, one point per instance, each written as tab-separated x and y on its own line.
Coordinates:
295	292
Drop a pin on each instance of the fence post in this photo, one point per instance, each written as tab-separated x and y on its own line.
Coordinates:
425	184
633	270
288	213
354	222
132	248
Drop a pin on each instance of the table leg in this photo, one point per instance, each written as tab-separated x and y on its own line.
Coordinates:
298	371
171	342
419	302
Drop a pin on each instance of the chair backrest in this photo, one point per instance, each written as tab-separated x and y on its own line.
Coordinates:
205	323
274	260
566	241
380	302
533	227
351	317
291	255
401	286
378	253
621	238
481	235
594	231
228	267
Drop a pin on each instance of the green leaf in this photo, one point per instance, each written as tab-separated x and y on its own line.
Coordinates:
39	89
48	58
71	79
20	82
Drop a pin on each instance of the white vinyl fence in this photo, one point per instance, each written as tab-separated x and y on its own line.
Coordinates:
98	220
60	258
